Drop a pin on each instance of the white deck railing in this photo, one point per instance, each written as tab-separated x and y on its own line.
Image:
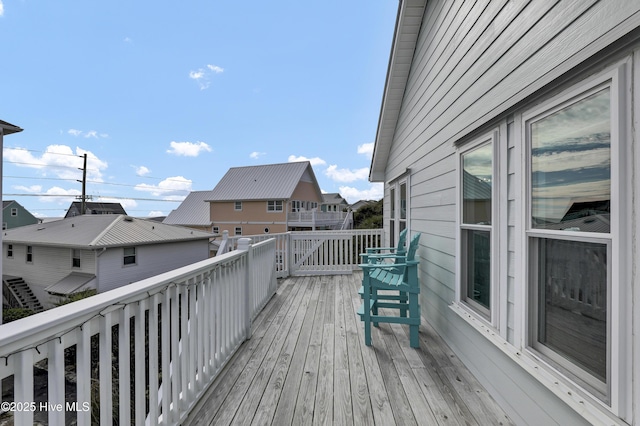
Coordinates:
316	252
144	352
315	218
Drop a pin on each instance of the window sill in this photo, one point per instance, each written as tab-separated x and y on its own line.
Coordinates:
591	409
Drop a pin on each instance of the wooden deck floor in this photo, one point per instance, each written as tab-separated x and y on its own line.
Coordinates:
306	363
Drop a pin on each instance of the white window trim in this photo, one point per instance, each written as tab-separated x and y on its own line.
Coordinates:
237	206
498	294
394	185
619	331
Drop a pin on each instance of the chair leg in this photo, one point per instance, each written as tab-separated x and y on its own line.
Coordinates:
374	308
414	312
403	303
367	312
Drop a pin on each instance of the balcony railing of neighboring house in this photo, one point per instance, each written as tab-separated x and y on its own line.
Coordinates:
313	218
144	352
315	252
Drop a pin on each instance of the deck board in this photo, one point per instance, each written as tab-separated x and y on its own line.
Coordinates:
306	363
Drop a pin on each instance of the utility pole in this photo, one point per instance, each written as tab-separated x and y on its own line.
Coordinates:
84	186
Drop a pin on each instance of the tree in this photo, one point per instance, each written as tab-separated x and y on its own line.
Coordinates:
369	216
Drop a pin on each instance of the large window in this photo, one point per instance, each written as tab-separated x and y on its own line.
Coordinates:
476	225
29	257
569	234
75	258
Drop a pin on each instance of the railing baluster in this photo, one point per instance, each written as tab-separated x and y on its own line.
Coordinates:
124	366
105	374
140	367
56	388
153	359
23	385
83	374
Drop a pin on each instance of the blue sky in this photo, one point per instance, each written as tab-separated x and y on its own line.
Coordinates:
166	97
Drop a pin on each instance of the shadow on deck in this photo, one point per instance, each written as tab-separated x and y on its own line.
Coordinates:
306	363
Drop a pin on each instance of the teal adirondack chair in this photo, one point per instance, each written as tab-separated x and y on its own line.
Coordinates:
385	255
399	278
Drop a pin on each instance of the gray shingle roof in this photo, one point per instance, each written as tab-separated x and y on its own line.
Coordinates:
193	211
266	182
91	231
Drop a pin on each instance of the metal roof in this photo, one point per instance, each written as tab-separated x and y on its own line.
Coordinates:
194	210
96	231
265	182
72	283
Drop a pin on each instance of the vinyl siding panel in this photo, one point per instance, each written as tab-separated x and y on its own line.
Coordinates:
50	265
151	260
474	63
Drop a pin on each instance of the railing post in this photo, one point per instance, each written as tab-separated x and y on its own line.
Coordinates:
223	248
245	244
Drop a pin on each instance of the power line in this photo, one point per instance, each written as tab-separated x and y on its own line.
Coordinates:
92	196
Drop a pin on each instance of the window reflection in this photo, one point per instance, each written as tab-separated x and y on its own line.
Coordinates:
476	185
571	167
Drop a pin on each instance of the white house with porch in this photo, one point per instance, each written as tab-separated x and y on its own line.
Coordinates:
99	252
508	137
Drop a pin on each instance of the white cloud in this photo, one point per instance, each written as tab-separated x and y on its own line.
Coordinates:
1	8
215	68
127	40
172	188
188	149
90	134
255	155
366	148
346	175
315	161
374	192
155	213
60	195
59	161
142	171
202	76
33	189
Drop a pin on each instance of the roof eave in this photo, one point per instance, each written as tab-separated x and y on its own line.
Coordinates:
8	128
405	37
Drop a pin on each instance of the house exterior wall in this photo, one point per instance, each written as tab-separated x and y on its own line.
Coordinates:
305	191
253	218
475	64
22	217
49	265
151	259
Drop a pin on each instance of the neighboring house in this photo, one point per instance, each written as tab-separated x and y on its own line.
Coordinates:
100	252
270	198
14	215
193	212
361	203
94	208
508	137
333	202
5	129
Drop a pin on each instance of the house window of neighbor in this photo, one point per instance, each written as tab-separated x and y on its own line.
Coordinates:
238	230
274	206
4	225
14	211
29	254
129	255
10	251
266	230
215	229
476	218
237	205
75	258
573	232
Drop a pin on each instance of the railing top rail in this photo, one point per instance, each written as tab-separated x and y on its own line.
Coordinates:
48	324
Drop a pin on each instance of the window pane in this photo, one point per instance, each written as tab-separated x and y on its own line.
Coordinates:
403	201
572	302
571	167
392	209
476	185
476	255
